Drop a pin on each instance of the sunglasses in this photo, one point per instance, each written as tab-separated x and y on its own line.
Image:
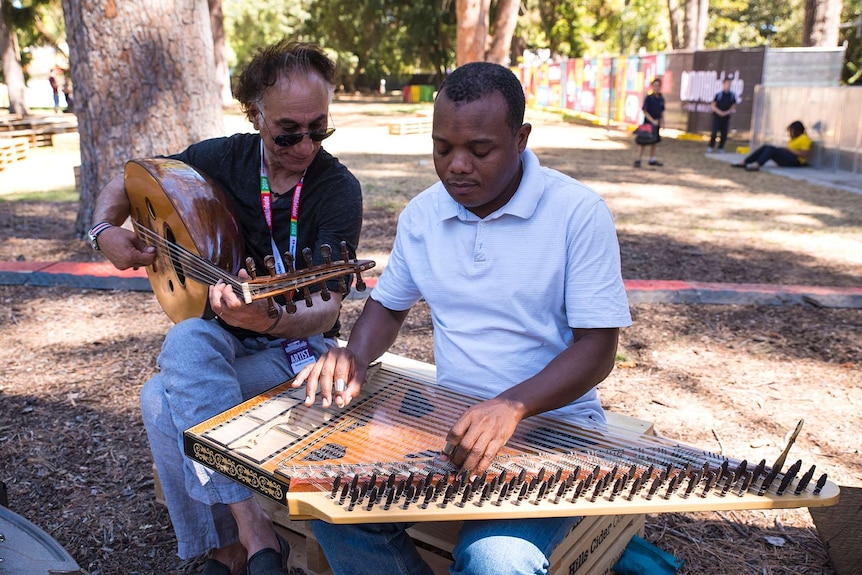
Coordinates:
288	140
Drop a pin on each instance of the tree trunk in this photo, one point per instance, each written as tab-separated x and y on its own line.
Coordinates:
472	31
822	19
12	70
504	27
690	26
222	73
702	23
674	17
144	83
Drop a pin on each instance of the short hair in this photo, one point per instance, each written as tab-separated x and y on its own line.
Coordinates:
282	59
796	129
476	80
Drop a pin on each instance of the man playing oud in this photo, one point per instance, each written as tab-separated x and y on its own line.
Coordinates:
287	193
520	267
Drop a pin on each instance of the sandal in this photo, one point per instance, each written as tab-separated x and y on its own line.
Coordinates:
269	561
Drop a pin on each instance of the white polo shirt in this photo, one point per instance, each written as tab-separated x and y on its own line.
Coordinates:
505	290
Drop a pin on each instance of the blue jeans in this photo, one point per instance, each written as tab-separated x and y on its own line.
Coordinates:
204	370
514	546
781	156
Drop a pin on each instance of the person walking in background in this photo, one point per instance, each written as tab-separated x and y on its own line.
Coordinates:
723	105
67	93
653	109
793	156
53	76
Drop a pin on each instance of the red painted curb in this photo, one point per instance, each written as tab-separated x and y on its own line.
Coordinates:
102	275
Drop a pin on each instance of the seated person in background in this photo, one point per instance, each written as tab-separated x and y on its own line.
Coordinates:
793	156
520	267
208	366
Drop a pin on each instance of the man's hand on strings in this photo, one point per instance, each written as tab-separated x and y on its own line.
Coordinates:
125	249
227	305
479	434
337	375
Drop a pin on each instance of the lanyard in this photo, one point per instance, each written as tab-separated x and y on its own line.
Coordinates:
266	205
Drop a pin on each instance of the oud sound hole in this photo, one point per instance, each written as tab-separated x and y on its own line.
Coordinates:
175	258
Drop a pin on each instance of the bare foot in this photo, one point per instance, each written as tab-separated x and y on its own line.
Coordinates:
255	527
234	556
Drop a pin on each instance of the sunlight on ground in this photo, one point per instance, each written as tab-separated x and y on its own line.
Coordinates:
101	326
46	169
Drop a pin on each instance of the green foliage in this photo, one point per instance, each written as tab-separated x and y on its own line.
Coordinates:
377	39
59	195
595	27
739	23
852	73
253	25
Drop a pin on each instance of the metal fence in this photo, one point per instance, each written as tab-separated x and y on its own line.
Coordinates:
832	117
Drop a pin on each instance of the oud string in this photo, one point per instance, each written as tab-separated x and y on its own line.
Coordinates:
192	265
205	272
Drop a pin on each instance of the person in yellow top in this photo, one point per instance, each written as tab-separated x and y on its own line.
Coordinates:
793	156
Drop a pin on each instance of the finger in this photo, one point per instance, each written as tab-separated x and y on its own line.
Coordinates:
473	447
487	458
344	398
303	374
311	382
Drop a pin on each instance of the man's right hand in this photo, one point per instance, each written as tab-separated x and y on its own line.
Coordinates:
124	248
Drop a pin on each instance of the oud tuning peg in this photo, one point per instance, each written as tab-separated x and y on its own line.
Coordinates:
343	288
289	306
251	267
360	283
326	253
269	262
306	255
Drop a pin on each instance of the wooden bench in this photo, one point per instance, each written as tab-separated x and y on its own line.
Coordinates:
39	132
410	126
13	150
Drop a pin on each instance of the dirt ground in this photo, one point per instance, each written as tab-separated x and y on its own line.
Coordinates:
734	379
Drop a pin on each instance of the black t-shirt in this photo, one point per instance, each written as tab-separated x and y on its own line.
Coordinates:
330	208
724	101
654	105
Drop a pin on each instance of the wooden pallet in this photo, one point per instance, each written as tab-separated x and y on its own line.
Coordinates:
13	150
410	126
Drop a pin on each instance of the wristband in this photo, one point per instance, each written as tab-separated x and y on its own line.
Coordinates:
277	319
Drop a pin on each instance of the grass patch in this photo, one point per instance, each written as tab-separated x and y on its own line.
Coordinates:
59	195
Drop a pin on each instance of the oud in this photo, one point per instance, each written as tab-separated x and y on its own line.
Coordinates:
185	216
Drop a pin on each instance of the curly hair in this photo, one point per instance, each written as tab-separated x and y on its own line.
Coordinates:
282	59
476	80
